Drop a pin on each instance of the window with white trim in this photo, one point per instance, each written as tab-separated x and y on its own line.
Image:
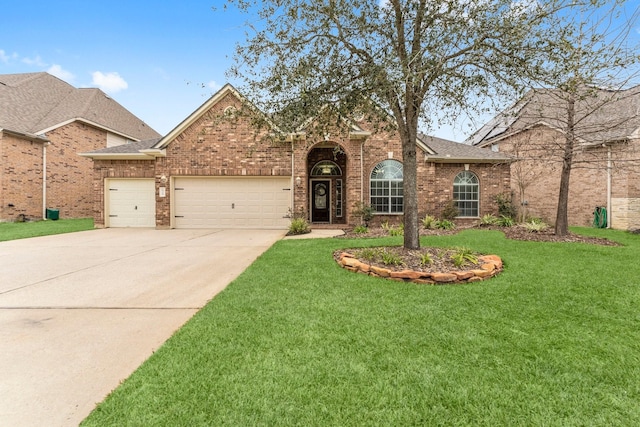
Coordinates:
466	194
386	189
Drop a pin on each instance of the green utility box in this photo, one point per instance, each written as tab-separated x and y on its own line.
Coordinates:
53	214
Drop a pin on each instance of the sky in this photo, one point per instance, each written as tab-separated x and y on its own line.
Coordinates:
159	59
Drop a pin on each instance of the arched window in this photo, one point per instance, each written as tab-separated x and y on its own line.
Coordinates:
466	194
386	187
326	168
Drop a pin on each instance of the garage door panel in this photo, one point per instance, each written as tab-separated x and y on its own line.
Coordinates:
131	203
232	202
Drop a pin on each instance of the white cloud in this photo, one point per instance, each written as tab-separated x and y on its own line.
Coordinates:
4	57
59	72
109	82
37	61
213	85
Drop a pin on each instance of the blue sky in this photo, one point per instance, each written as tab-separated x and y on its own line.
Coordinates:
161	59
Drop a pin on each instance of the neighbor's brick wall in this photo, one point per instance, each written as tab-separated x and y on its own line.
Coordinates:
69	175
105	169
626	185
20	178
541	176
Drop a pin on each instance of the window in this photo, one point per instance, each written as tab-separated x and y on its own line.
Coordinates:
326	168
386	187
466	194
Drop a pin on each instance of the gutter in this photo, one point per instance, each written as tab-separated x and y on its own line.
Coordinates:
149	154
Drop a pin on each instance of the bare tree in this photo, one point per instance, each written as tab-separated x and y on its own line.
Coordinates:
585	98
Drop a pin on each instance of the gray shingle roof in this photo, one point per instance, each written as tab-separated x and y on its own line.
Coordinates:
131	148
36	102
602	115
450	151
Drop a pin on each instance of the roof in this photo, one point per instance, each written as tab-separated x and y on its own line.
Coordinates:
602	115
140	150
446	151
34	103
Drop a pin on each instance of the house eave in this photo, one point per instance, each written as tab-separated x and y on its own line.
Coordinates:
440	159
28	136
150	154
359	134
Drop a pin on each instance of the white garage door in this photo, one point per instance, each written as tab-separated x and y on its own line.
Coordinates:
131	203
232	202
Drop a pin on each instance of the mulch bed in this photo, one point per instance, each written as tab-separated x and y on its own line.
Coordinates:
441	259
513	233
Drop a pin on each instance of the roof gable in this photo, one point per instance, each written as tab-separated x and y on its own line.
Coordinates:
227	89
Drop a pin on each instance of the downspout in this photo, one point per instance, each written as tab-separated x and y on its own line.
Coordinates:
609	186
44	180
362	172
293	178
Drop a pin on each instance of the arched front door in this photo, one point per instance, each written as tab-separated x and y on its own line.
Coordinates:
326	168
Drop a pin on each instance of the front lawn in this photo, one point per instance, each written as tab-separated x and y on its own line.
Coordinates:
554	340
22	230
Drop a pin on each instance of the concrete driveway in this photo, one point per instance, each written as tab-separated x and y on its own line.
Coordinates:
80	312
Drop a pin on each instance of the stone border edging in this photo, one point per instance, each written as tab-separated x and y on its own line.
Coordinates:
489	266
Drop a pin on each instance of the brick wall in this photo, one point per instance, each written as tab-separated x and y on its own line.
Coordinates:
69	176
540	173
20	178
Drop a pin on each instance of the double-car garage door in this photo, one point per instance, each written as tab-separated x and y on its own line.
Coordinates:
247	202
231	202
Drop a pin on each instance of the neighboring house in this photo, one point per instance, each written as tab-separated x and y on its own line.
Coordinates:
44	124
216	169
606	165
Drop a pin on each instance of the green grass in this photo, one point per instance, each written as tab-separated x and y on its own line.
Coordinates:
295	340
22	230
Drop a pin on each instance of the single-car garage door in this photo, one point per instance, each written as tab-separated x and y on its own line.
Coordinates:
130	203
260	202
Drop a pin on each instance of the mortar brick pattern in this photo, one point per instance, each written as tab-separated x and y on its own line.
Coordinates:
20	178
588	185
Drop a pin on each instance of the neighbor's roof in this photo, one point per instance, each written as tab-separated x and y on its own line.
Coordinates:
446	151
602	115
35	103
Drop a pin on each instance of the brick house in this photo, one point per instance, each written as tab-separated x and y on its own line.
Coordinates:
606	166
217	169
44	123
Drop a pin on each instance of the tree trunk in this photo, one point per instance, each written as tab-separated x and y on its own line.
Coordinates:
410	189
408	136
562	214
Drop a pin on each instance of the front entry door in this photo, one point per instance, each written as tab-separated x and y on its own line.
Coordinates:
320	201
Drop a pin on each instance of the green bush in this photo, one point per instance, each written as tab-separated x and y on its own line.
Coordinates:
363	211
450	211
506	221
489	219
425	259
390	258
299	226
445	224
462	256
506	206
396	230
360	229
535	226
429	222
